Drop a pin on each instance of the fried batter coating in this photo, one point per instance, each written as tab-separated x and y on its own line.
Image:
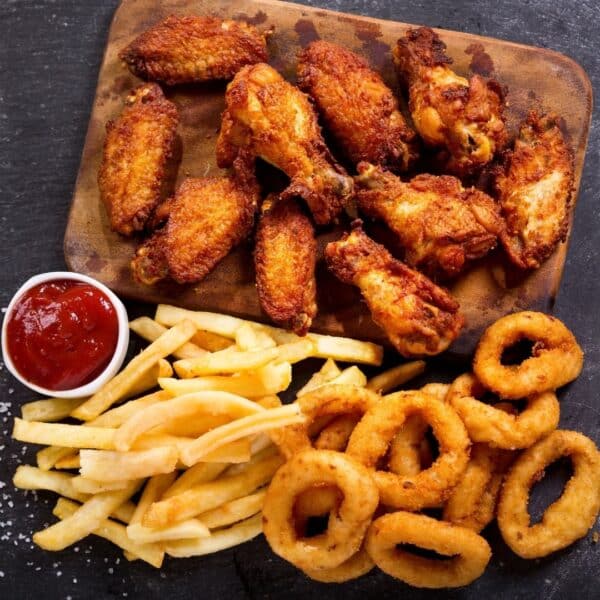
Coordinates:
418	316
465	117
284	257
275	121
207	218
534	189
136	150
193	48
440	224
357	106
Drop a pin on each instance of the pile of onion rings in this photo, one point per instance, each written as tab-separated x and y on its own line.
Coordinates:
363	463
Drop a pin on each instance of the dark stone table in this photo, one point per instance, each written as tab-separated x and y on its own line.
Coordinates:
50	52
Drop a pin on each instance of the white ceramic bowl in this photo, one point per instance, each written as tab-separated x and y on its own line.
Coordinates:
122	340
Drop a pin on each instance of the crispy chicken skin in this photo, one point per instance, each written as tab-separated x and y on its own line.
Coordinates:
464	117
440	224
357	106
137	146
534	189
193	48
206	219
284	257
418	317
274	120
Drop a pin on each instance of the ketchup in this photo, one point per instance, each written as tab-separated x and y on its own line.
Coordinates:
62	334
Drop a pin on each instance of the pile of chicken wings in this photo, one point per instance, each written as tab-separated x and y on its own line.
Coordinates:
439	219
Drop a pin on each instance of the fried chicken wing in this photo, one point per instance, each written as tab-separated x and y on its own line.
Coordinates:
418	317
440	224
357	106
137	148
274	120
284	257
534	189
464	117
206	219
193	48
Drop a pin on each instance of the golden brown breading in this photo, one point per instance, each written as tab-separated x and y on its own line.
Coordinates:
534	190
463	116
284	257
440	224
207	218
357	106
418	317
149	265
275	121
193	48
136	150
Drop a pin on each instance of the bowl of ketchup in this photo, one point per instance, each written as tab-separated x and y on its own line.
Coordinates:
64	334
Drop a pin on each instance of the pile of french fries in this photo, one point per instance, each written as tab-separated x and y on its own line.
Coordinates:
196	454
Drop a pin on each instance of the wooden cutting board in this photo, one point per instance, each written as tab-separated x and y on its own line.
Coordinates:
535	78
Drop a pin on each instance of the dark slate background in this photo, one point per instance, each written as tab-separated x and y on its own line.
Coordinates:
50	52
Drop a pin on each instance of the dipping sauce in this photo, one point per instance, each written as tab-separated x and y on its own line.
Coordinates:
62	334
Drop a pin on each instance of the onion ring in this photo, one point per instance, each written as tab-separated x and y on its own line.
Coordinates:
336	434
346	526
567	519
410	451
557	358
486	423
470	552
328	400
319	501
371	437
473	501
406	449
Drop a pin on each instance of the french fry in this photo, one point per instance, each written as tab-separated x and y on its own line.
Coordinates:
117	416
224	362
206	496
234	511
105	465
86	519
47	458
153	491
49	410
260	456
187	427
395	377
187	405
32	478
59	434
240	428
211	342
294	352
270	379
249	337
189	529
115	533
121	384
90	486
346	349
350	376
199	473
150	330
147	381
327	372
219	540
223	325
68	462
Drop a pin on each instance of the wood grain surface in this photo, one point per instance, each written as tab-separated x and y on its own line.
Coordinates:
534	77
